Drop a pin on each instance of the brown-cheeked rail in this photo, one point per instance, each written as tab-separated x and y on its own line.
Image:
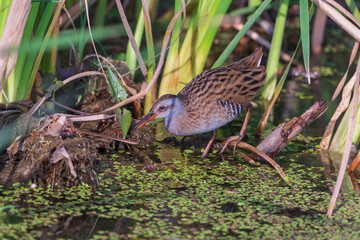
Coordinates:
212	99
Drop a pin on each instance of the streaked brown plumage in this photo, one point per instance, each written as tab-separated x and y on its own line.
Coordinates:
212	99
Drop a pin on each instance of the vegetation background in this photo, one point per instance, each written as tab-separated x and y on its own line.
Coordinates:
45	46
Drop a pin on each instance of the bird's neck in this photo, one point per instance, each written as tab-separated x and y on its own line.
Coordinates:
177	120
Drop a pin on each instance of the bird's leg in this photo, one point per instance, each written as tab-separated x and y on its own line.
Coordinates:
242	131
243	128
207	149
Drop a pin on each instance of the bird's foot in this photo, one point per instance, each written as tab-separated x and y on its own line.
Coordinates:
206	156
232	139
203	156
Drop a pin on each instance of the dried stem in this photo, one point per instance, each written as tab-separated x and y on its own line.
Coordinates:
143	92
344	23
348	142
131	38
57	87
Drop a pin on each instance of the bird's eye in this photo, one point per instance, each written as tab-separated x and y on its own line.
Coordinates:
162	108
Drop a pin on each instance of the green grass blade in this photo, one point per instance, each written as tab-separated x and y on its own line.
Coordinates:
284	75
82	39
28	74
353	8
24	49
48	62
356	136
275	49
131	37
225	54
250	10
171	68
261	125
207	38
70	36
124	120
138	34
185	56
101	13
4	10
253	3
305	35
117	91
198	39
151	96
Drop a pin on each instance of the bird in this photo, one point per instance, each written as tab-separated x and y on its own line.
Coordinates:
212	99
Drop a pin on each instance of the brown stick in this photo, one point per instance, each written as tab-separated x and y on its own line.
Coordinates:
106	136
285	132
256	151
355	163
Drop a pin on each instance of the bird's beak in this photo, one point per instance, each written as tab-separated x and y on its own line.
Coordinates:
149	117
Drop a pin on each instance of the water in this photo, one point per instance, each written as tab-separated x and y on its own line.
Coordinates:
184	198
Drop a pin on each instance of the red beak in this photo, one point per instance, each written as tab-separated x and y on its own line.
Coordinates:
149	117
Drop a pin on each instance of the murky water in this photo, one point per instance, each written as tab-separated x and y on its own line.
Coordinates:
186	198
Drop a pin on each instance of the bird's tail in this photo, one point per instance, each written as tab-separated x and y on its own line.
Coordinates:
250	62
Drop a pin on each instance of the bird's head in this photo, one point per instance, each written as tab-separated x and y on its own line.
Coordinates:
167	107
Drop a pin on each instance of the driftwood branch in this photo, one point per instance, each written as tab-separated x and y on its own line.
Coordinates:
256	151
286	132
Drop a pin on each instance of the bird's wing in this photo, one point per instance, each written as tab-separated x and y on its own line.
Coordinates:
224	84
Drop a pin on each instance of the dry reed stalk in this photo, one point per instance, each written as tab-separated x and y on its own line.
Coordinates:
11	37
337	17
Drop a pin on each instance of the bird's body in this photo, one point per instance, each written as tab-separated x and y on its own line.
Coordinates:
212	99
